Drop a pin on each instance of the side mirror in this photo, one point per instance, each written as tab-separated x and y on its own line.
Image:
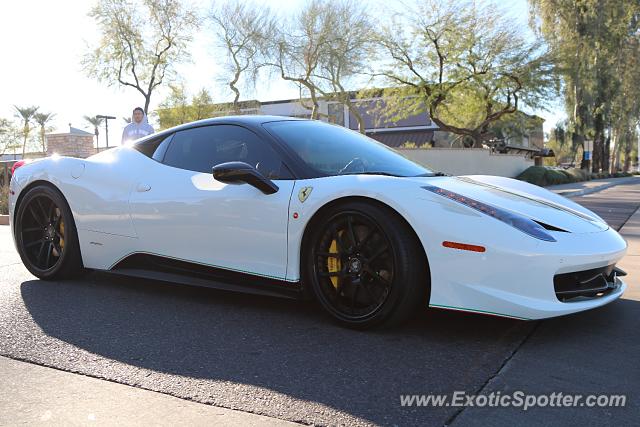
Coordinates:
241	172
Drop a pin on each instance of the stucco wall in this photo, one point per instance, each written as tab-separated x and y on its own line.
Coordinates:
468	161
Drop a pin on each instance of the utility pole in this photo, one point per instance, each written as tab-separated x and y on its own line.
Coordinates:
106	127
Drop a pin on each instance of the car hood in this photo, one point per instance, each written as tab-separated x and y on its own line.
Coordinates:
525	199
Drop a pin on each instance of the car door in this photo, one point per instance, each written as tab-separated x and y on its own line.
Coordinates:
180	211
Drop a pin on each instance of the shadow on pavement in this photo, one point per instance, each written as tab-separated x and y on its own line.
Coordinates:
289	347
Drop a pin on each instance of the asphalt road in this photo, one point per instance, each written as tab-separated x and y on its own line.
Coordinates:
284	359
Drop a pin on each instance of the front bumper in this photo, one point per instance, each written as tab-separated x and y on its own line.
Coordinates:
514	277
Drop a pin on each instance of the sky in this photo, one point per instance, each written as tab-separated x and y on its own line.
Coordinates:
43	42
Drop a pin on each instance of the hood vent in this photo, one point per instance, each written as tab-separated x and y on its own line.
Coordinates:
550	227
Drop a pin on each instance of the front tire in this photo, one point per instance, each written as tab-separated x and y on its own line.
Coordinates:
46	235
365	265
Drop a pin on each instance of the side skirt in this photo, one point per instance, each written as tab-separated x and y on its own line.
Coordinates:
156	267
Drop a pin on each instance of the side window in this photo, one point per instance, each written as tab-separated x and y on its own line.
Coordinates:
149	146
200	149
158	155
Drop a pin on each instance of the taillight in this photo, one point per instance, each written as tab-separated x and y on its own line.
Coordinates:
16	165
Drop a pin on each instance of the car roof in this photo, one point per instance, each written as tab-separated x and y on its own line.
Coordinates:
240	119
250	121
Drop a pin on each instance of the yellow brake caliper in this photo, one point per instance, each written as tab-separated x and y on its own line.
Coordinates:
61	234
333	263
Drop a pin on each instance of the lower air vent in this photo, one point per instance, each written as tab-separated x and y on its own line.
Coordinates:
592	283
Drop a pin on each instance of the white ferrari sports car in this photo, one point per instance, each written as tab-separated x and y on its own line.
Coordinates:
305	209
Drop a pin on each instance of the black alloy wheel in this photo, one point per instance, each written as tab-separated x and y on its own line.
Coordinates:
359	270
46	235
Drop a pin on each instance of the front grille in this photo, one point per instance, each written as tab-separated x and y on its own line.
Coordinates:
596	282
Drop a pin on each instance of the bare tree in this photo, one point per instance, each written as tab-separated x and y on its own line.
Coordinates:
141	42
298	49
347	55
465	64
243	31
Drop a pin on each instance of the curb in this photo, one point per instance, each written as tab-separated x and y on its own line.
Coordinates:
576	193
4	219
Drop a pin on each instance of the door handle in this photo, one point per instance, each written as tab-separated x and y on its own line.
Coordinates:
141	188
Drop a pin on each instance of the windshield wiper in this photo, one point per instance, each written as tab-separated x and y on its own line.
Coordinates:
370	173
434	174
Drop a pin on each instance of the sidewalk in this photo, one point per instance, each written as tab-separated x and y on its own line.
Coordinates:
631	262
32	394
586	187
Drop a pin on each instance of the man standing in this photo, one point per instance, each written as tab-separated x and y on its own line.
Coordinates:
138	127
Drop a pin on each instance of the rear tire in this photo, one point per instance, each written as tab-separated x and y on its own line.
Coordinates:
365	265
46	235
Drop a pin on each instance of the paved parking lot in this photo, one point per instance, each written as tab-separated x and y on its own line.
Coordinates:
285	360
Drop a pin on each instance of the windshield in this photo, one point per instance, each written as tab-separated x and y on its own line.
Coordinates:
334	150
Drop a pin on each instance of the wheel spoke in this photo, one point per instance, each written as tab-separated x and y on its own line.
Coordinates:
52	211
352	235
40	252
365	239
378	278
30	229
35	242
381	250
35	215
49	248
44	212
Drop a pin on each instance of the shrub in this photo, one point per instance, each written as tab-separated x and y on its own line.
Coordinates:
544	176
622	174
4	200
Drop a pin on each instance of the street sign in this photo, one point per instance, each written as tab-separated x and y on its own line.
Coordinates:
588	149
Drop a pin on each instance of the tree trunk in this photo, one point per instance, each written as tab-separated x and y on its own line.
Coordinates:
24	144
147	101
236	106
314	101
627	156
598	144
615	155
607	151
477	140
356	113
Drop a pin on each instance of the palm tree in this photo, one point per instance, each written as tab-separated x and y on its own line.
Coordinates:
26	114
42	119
95	121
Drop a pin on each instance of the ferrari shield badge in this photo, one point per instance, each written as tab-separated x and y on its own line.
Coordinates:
303	194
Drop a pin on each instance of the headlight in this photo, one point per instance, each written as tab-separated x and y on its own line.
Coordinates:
520	222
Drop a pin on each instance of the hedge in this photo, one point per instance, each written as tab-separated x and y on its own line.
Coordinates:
545	175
